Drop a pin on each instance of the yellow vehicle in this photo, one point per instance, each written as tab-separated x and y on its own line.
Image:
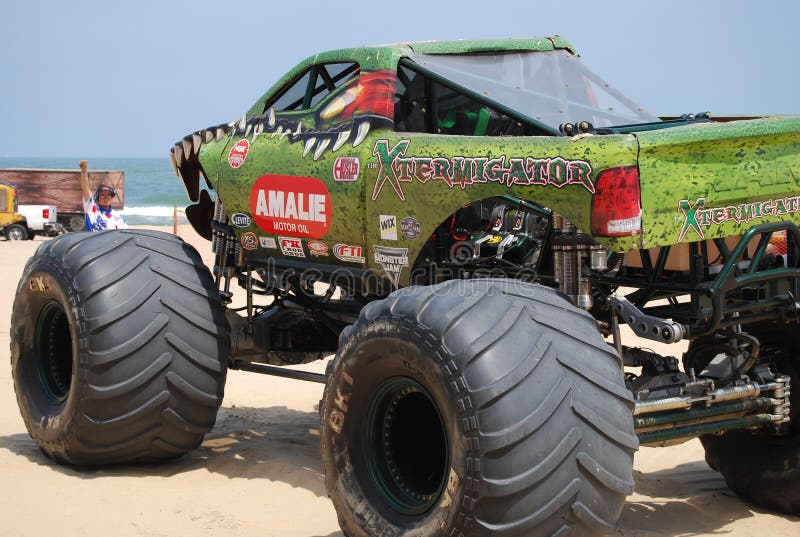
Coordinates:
12	224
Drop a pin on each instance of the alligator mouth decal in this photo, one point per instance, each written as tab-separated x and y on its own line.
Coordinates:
371	96
184	154
186	162
356	109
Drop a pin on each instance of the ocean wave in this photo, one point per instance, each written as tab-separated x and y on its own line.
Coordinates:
151	210
154	215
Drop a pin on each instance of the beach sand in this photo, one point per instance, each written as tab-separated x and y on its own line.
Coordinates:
259	472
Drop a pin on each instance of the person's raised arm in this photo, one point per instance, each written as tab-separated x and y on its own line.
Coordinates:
85	180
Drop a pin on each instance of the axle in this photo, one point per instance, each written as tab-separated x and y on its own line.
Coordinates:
744	405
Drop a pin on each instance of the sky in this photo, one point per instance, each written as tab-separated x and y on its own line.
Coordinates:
98	78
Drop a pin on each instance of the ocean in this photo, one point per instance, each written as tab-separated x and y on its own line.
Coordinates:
151	187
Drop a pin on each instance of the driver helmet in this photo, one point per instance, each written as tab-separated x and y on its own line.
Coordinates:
104	188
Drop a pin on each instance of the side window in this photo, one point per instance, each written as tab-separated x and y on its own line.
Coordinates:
292	98
3	200
313	86
331	76
424	105
411	107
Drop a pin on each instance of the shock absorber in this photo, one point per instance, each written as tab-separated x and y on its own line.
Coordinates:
558	250
218	239
223	247
574	257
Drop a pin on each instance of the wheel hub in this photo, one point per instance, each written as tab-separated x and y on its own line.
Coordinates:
53	352
405	445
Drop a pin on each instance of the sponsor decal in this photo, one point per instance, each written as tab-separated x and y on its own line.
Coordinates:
268	242
388	225
519	219
238	153
292	206
410	228
317	248
240	220
345	169
292	246
697	216
393	261
351	254
494	239
249	241
463	171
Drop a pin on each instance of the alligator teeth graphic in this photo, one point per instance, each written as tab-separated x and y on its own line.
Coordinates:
321	146
258	129
363	129
340	140
174	162
309	144
315	142
184	155
177	152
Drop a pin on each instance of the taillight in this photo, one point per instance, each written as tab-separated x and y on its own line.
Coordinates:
46	213
617	205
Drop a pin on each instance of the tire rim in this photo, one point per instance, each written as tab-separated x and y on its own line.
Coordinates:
53	352
405	446
15	234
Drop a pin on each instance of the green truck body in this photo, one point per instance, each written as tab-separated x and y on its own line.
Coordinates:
697	181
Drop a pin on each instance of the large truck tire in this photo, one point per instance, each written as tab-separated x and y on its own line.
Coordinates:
760	466
118	347
476	407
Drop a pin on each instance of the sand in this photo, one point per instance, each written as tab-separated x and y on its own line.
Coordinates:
259	472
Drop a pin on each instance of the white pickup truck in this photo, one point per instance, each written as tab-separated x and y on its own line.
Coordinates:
41	220
20	222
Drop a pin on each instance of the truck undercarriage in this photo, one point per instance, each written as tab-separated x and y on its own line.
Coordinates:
709	293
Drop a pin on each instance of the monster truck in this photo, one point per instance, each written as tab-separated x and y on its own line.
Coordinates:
467	225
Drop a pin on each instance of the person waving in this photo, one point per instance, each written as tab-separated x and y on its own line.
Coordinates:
97	209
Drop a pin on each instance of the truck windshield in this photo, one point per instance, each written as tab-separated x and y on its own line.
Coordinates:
553	87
